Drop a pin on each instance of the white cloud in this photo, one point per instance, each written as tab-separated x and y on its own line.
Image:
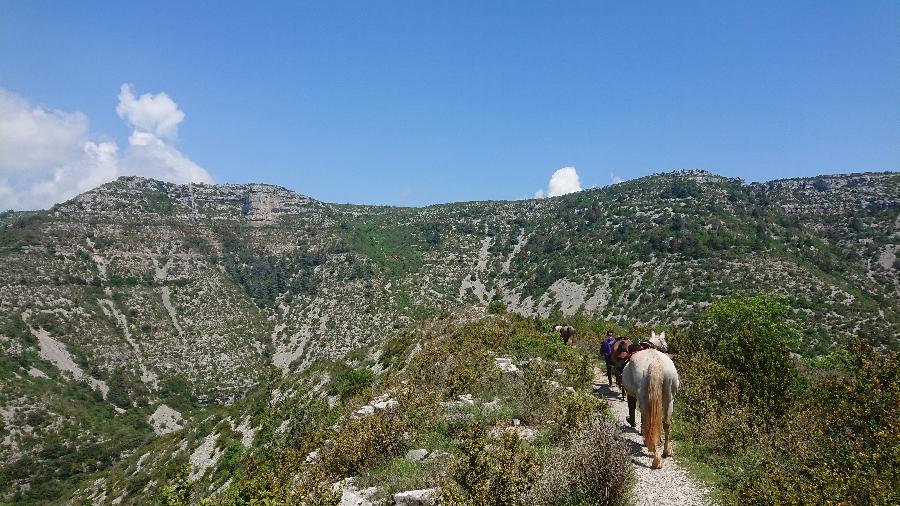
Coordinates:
47	156
34	138
94	166
151	156
614	179
156	114
563	181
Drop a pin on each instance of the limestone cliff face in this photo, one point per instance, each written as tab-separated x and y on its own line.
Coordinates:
263	204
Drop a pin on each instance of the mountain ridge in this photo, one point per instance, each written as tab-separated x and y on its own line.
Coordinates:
695	174
187	296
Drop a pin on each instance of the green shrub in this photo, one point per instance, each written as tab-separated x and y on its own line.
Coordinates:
841	445
454	366
265	483
750	338
348	382
504	472
570	412
178	491
394	348
536	375
362	442
712	410
15	327
496	307
579	371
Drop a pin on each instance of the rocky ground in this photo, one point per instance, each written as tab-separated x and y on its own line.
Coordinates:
670	485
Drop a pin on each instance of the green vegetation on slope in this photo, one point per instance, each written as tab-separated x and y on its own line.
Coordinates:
781	432
442	392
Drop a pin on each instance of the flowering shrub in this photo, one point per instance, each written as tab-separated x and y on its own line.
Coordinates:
363	442
491	472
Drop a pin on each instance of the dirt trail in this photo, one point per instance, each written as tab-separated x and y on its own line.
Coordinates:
670	485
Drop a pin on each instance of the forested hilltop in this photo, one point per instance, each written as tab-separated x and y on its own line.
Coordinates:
143	308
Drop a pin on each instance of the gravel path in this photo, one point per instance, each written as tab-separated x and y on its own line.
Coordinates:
670	485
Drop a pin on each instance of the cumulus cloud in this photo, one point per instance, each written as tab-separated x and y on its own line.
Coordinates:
563	181
32	138
47	156
155	114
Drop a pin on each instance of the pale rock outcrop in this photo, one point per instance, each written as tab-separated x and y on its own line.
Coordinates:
423	497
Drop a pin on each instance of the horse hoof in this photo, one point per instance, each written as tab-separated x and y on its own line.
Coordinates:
656	464
630	421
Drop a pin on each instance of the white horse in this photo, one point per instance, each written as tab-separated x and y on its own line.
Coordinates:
651	379
659	341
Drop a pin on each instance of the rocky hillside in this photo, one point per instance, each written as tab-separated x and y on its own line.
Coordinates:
140	304
388	421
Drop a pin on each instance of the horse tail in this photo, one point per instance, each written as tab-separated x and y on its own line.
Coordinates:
654	404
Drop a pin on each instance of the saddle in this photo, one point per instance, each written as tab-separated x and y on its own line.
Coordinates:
643	345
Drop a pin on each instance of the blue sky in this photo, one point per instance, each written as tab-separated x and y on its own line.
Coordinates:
413	103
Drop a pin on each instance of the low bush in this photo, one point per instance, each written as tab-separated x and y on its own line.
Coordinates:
751	336
363	442
570	412
347	381
454	366
489	472
592	468
496	307
827	432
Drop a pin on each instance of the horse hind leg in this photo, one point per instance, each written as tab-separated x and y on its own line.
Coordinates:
657	461
651	439
667	446
667	423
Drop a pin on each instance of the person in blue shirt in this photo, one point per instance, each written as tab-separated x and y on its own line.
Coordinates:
606	351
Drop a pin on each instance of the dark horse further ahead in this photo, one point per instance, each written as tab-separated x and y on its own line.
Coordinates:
566	332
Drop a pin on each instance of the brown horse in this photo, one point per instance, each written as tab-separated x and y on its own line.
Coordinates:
566	332
619	357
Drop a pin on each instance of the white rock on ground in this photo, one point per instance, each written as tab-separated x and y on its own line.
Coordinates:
466	399
352	496
206	456
506	365
379	403
417	455
165	420
37	373
671	485
526	433
247	432
424	497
